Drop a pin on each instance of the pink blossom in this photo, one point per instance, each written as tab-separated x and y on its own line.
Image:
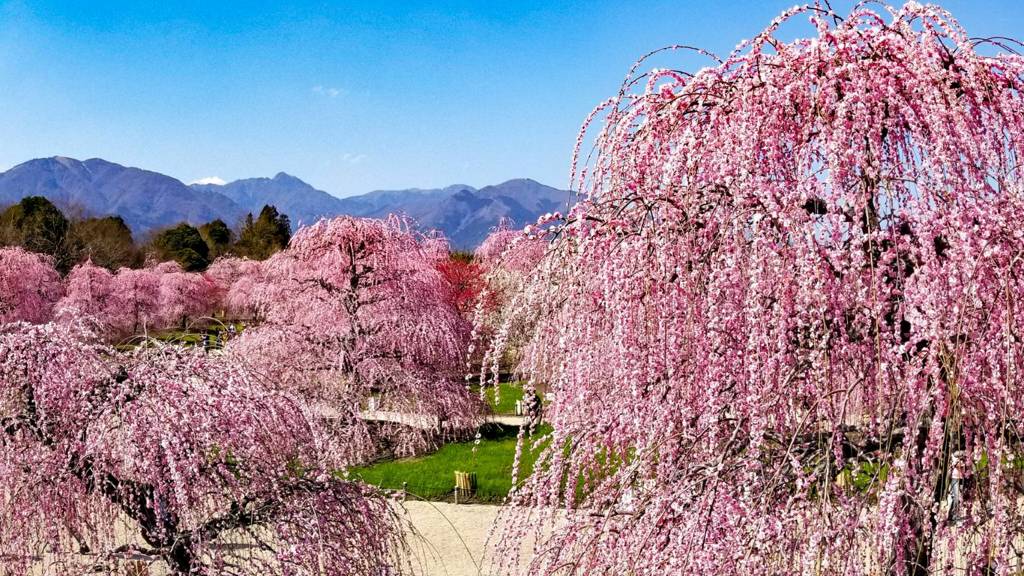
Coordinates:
29	286
788	297
185	453
136	303
356	308
236	281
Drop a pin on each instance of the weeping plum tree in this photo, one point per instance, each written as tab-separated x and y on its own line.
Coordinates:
133	301
88	292
356	308
511	253
783	323
236	281
183	295
508	258
29	286
135	307
171	457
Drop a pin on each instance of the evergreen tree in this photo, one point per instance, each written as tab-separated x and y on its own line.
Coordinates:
183	244
217	236
106	241
37	225
267	234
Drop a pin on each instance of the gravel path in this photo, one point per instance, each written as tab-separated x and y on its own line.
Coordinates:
445	540
449	539
423	421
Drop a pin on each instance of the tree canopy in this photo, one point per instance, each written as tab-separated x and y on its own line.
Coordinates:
782	324
212	469
357	307
38	226
106	242
183	244
262	237
29	286
218	237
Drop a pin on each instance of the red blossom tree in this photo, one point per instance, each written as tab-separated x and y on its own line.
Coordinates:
29	286
174	458
356	308
783	323
465	281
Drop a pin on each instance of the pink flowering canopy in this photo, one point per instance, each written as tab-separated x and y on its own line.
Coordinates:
782	325
184	295
88	293
29	286
181	459
511	250
509	259
356	308
136	304
132	302
236	281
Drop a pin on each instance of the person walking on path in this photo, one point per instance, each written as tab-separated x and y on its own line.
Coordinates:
533	410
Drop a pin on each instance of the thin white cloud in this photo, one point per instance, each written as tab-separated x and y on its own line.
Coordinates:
351	158
209	180
327	91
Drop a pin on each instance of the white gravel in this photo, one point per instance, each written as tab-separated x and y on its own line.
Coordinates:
444	540
449	539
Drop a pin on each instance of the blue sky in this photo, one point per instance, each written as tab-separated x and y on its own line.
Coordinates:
349	96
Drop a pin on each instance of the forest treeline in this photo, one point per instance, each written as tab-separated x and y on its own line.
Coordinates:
37	225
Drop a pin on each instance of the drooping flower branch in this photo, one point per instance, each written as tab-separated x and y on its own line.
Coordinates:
357	308
783	324
182	458
29	286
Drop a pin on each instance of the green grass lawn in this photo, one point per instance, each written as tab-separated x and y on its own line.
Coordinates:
432	477
508	394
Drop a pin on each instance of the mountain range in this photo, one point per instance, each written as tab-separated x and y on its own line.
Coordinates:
149	200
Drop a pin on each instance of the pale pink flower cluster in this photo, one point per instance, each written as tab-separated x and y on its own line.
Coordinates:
789	296
355	308
169	454
237	280
132	301
127	302
509	258
29	286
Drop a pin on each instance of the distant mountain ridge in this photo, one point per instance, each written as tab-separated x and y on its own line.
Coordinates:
145	199
302	203
149	200
463	213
